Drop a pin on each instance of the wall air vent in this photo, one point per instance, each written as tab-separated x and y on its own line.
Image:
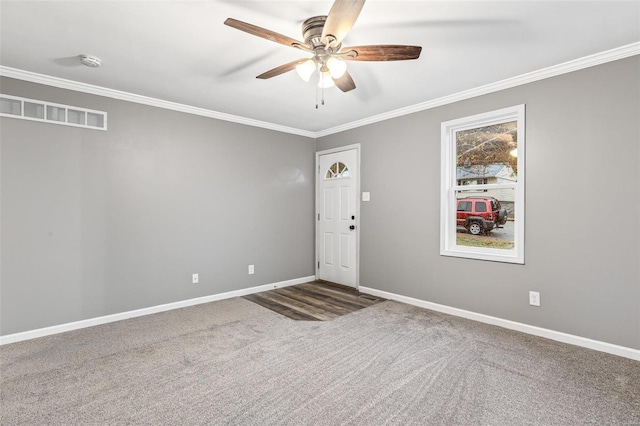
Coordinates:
30	109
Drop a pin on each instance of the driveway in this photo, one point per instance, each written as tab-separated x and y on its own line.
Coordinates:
506	233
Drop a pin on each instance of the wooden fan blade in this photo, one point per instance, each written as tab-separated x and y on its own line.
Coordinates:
281	69
345	83
342	16
268	34
381	52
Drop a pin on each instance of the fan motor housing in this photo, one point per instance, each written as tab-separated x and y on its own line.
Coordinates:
312	33
312	30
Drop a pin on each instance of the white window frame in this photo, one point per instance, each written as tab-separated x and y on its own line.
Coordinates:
50	106
449	186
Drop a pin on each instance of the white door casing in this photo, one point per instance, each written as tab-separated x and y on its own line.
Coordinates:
337	215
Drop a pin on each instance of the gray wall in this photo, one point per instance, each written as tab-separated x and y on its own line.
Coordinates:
96	223
582	233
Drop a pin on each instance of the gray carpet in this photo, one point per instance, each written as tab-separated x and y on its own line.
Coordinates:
234	362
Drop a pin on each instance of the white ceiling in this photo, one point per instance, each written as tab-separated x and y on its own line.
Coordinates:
180	51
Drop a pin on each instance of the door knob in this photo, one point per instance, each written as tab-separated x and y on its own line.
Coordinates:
352	227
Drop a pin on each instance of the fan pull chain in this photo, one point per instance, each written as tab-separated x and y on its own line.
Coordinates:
322	97
321	87
320	74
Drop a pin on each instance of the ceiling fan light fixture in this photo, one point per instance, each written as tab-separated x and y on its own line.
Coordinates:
323	36
306	69
325	81
337	67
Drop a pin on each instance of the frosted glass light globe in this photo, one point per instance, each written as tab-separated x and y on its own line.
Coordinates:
337	67
306	69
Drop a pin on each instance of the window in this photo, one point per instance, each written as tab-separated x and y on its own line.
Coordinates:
464	206
34	110
337	170
76	117
30	109
482	186
55	113
10	106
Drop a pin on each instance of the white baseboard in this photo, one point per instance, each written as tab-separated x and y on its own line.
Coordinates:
512	325
41	332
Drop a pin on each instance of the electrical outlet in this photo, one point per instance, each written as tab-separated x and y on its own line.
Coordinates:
534	298
251	270
195	278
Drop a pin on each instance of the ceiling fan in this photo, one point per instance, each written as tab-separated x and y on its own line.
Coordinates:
323	37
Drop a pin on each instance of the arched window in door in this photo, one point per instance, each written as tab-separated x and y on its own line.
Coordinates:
337	170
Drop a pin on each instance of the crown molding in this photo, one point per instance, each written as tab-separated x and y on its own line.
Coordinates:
144	100
552	71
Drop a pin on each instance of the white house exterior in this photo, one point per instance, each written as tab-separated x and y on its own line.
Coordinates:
487	174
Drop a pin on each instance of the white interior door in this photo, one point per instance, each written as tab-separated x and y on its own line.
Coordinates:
336	232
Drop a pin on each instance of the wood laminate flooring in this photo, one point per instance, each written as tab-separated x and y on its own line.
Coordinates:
315	301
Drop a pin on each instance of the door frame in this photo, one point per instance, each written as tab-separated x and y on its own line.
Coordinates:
357	205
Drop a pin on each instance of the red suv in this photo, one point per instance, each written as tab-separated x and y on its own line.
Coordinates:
480	214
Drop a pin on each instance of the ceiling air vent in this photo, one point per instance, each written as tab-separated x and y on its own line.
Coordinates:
30	109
